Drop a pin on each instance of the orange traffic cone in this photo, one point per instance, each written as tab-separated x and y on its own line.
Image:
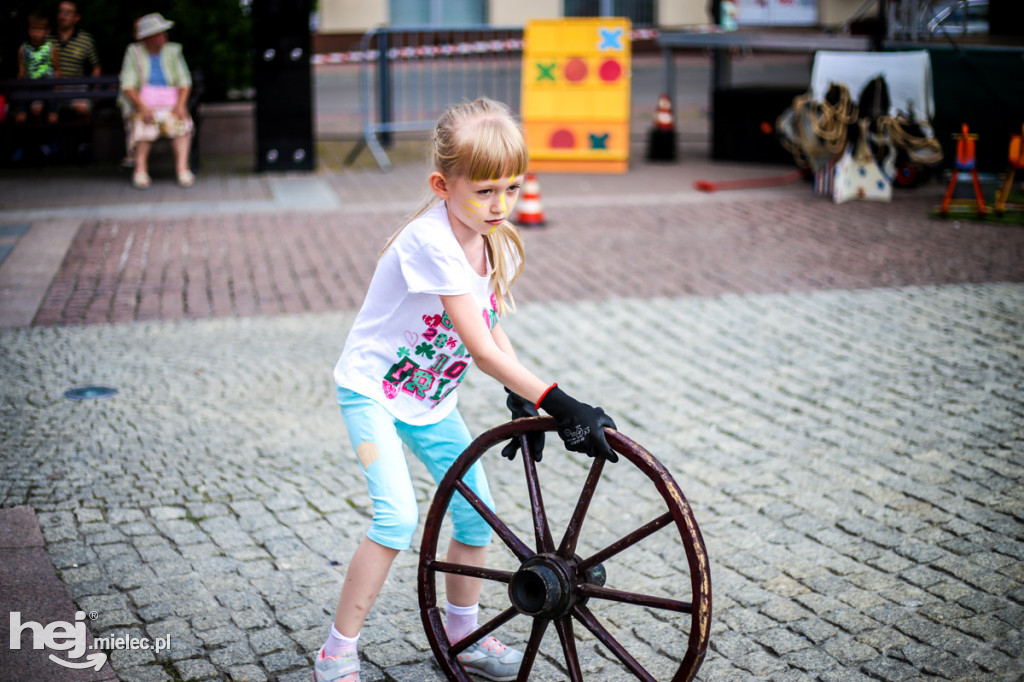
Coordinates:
663	119
661	143
530	212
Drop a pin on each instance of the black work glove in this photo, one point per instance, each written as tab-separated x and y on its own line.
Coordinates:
580	426
520	408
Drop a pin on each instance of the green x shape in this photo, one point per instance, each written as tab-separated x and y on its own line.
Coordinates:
545	72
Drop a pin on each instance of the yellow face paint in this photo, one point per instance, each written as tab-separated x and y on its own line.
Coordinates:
474	207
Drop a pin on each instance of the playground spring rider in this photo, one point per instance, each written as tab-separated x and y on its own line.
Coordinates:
1016	162
965	161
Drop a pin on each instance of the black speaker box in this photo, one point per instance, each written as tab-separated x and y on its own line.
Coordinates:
743	123
1006	17
985	89
283	79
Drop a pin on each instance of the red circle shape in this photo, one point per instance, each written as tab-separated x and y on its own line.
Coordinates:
610	70
562	139
575	70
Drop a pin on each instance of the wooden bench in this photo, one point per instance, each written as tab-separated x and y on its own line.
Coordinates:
71	131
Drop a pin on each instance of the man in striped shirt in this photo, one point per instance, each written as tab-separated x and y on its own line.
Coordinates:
77	49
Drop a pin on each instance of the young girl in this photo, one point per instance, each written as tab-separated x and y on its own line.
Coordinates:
433	308
37	58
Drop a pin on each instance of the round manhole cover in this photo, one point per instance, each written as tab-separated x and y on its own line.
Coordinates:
90	392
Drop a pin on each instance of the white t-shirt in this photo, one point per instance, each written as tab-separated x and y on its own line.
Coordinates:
402	350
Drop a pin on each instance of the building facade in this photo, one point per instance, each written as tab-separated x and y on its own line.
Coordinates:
357	16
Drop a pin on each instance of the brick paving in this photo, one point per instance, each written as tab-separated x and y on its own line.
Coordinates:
238	265
57	188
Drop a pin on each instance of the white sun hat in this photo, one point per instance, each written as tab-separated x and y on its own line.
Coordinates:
151	24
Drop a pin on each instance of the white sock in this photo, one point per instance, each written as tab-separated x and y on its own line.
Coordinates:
337	643
462	620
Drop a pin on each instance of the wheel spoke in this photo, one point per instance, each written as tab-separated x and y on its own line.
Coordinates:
589	620
572	659
471	571
540	519
485	629
572	532
532	647
627	541
588	590
517	546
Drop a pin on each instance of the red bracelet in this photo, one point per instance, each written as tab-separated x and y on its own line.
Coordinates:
544	394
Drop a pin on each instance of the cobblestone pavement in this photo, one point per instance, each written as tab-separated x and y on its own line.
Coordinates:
854	458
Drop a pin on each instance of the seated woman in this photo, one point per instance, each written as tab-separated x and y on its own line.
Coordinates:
155	85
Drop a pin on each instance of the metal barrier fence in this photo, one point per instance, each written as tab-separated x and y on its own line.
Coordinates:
409	75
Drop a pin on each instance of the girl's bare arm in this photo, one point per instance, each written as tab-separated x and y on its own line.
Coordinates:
491	349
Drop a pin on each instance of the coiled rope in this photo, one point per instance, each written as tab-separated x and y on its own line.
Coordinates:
817	131
922	149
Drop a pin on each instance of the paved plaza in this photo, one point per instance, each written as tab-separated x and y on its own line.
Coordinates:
837	390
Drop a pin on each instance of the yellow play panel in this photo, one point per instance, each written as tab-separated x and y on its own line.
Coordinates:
575	100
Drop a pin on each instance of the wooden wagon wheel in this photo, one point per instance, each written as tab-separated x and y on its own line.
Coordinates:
553	584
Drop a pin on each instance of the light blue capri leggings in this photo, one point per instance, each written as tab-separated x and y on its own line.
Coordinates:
377	438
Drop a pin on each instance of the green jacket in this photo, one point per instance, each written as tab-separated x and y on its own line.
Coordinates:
135	70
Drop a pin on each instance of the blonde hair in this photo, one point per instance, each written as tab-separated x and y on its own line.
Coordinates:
480	140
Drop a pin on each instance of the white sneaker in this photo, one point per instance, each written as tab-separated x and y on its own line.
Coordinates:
491	659
341	668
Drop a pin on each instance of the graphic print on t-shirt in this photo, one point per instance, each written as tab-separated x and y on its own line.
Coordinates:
432	363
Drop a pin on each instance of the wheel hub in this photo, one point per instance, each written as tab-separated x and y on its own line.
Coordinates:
545	585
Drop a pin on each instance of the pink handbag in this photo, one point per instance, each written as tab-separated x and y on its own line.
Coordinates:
159	96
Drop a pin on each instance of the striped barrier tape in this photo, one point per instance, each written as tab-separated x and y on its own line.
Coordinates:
445	50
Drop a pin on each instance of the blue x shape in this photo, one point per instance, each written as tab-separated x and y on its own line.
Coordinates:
611	39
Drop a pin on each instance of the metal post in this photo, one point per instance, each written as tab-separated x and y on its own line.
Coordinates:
670	74
878	35
721	68
721	79
384	112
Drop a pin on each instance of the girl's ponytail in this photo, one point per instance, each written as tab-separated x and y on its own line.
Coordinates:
507	254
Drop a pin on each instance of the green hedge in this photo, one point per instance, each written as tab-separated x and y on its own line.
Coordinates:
216	35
